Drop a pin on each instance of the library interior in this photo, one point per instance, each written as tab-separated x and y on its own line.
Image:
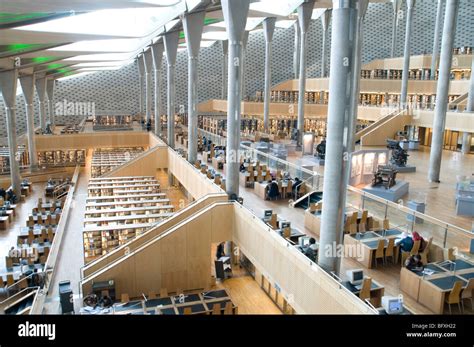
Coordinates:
232	157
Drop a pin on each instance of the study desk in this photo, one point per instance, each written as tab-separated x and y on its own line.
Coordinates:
362	246
376	292
261	188
200	303
431	290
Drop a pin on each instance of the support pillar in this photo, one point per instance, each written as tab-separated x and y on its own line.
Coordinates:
235	18
242	64
344	17
296	50
148	67
396	8
225	51
304	17
157	50
193	24
325	20
27	83
8	83
434	56
406	53
171	48
439	122
141	74
50	95
466	138
268	29
41	91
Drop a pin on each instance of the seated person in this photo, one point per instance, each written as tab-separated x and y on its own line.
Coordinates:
3	193
296	187
311	251
405	242
414	263
417	237
242	167
220	251
11	196
272	190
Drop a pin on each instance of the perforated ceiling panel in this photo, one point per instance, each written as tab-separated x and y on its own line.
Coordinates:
117	91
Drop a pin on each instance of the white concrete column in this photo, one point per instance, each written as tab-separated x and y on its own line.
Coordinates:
325	20
8	83
296	50
434	56
225	52
141	74
27	83
157	50
304	17
396	9
171	40
148	66
406	53
41	91
50	94
268	29
193	24
341	75
235	17
439	122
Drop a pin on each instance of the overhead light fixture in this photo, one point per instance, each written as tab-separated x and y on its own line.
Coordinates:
102	57
65	78
277	8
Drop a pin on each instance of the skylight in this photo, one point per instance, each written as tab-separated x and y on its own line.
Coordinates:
115	45
102	57
129	22
277	8
119	63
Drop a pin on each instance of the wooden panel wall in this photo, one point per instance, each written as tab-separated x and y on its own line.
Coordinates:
386	130
134	244
180	258
193	181
145	164
93	140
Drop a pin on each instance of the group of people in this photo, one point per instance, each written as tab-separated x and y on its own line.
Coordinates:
8	195
406	243
273	191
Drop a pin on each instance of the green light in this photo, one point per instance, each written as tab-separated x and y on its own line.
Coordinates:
54	66
208	21
181	35
18	17
40	60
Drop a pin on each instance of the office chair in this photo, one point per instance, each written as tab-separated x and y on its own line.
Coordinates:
124	298
163	293
216	309
386	224
389	251
454	296
365	215
425	252
379	252
416	247
451	255
468	293
151	296
353	229
362	227
10	280
188	310
365	290
228	308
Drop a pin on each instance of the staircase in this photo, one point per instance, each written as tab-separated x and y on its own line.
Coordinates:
374	125
459	103
20	303
307	199
385	128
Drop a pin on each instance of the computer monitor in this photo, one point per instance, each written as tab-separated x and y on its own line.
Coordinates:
392	304
355	276
285	224
267	213
303	241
